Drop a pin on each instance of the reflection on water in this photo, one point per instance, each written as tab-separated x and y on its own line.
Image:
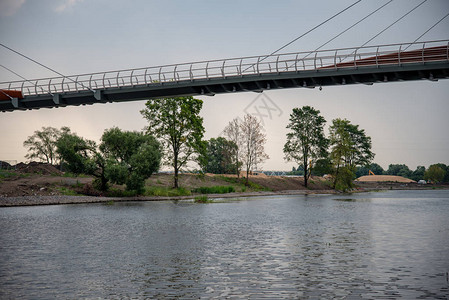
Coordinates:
377	245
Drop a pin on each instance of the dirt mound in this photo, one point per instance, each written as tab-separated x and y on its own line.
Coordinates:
284	183
384	178
38	168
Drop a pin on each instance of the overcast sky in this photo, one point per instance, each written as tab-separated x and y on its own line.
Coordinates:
407	121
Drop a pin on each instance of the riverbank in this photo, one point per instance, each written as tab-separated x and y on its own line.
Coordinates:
65	199
45	186
36	185
61	199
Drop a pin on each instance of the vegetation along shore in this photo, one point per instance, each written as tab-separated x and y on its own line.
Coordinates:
125	165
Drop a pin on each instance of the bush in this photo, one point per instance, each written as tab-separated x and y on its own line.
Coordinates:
214	190
343	181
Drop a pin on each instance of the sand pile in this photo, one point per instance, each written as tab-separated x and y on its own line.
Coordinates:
384	178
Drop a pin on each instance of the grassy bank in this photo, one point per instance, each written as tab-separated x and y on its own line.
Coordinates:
19	183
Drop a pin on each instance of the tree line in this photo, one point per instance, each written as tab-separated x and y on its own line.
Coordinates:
174	137
345	154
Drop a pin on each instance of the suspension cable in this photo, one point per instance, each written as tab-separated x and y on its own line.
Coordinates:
7	95
322	23
49	92
392	24
48	68
18	75
309	31
427	31
347	29
385	29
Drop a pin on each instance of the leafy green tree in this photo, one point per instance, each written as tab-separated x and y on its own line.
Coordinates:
123	157
376	169
220	156
361	171
322	167
350	147
76	153
446	169
42	144
399	170
418	174
130	157
176	123
80	156
435	174
364	170
306	142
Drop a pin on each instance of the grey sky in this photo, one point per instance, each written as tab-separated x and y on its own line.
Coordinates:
407	121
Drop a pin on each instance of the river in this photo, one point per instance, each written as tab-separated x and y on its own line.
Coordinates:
384	245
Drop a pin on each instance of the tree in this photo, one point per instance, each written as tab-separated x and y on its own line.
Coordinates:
350	147
435	174
123	157
364	170
418	174
179	128
131	157
446	169
233	133
42	144
76	153
80	156
361	171
322	167
376	169
399	170
306	142
220	156
253	141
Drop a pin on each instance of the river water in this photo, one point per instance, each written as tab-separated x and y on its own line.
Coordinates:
384	245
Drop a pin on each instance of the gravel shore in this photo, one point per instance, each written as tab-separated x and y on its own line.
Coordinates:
55	200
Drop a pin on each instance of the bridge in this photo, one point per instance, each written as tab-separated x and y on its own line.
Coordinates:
361	65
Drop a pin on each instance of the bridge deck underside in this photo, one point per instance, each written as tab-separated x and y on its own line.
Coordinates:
255	83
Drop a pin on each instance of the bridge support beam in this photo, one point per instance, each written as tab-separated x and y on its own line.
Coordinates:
98	95
57	99
15	102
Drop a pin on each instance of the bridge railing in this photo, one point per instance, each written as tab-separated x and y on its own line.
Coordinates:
382	55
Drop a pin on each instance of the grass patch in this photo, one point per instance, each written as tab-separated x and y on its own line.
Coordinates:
66	191
166	192
202	199
214	190
257	187
242	183
73	175
6	174
230	179
114	192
